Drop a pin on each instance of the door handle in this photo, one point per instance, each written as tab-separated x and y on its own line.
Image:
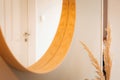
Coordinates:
26	35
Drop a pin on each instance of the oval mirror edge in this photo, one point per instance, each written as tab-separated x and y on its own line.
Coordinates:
14	63
6	54
70	24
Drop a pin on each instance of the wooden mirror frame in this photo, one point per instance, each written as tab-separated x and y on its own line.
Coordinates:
57	50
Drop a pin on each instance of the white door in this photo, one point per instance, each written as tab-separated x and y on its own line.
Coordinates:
14	21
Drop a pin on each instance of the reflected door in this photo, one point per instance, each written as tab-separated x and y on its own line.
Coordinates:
14	21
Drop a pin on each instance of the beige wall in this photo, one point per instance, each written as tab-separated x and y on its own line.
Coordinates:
114	20
76	65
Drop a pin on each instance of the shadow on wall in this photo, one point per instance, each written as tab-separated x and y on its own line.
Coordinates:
5	71
70	69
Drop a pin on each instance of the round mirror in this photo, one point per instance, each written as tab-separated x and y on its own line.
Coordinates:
30	27
36	33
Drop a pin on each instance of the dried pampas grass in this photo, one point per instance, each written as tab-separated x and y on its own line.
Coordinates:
94	63
106	58
106	54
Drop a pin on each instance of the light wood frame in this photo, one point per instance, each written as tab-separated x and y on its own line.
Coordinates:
58	49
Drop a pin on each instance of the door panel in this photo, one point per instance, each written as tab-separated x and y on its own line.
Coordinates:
14	24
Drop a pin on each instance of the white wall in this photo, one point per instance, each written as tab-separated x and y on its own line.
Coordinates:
48	16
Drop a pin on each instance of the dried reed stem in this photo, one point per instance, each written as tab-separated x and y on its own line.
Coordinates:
106	53
94	63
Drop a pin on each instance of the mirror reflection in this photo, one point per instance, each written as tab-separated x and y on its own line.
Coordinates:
29	27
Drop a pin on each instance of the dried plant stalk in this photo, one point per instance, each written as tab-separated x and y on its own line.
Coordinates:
106	51
94	63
